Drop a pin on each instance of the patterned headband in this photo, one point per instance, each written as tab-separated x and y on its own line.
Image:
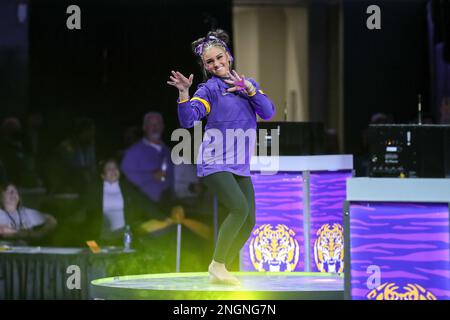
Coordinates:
208	42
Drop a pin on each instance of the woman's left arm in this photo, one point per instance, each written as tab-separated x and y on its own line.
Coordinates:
39	231
262	105
49	225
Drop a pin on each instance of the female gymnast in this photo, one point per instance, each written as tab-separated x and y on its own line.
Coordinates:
230	103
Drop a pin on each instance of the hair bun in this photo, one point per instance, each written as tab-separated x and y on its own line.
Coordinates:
196	43
220	34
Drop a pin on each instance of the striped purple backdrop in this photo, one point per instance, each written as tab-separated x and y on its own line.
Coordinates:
408	242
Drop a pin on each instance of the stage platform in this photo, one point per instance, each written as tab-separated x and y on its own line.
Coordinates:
195	286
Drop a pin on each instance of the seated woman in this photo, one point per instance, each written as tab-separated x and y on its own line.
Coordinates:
18	223
112	203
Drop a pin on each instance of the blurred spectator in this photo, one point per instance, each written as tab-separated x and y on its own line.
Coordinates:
35	140
147	163
131	135
33	132
111	203
73	167
17	163
18	222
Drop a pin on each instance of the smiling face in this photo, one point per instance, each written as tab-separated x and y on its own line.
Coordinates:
10	197
153	127
111	172
216	61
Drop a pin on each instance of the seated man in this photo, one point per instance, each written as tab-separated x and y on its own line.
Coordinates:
147	163
73	166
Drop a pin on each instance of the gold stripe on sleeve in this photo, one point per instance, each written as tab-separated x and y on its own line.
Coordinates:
205	103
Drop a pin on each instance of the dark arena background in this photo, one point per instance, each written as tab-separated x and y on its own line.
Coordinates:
351	202
112	69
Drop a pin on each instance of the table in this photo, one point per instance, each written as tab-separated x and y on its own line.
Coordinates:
397	239
52	272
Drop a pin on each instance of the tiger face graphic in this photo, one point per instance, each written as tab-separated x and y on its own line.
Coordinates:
329	248
389	291
274	248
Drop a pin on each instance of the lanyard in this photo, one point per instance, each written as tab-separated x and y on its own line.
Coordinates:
14	223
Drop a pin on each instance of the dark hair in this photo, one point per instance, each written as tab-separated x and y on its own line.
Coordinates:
219	34
102	164
3	187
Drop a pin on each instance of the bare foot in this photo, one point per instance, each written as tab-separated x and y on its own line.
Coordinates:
219	274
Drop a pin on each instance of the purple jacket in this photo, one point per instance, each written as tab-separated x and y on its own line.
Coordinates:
138	164
225	111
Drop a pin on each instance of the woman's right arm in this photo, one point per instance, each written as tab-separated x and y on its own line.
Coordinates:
189	110
195	109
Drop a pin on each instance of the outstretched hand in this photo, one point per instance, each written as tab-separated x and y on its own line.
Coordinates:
238	83
179	81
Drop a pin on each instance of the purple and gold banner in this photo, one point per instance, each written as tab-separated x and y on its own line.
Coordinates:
327	194
277	242
405	246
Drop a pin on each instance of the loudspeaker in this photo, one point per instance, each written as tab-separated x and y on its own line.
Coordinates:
421	151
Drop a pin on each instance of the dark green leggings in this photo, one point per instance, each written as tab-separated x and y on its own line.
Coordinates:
236	194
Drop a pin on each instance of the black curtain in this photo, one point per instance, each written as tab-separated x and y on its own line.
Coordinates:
115	68
384	70
440	10
13	57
